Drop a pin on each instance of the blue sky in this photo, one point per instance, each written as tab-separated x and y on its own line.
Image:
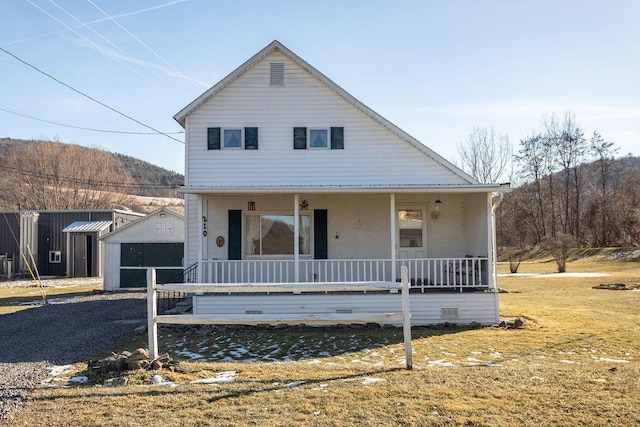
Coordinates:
437	69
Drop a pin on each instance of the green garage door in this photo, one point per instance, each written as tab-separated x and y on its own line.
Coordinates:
149	255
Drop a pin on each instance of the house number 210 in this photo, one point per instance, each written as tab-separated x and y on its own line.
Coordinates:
204	226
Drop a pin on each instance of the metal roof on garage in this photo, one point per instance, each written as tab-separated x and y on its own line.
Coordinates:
87	226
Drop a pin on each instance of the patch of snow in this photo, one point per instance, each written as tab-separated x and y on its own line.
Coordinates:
537	378
81	379
39	302
58	369
441	362
225	377
476	353
294	384
371	380
567	361
604	359
157	379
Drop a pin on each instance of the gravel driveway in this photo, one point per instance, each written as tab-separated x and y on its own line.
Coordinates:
82	328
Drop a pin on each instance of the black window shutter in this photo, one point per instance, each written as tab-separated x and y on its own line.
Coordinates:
235	234
299	138
337	138
213	138
320	250
250	138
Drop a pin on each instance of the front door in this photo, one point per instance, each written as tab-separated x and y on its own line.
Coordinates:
411	232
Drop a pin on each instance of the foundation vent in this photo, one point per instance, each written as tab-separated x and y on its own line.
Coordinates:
449	313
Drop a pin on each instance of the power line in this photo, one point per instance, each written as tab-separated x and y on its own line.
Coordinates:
89	97
87	182
28	116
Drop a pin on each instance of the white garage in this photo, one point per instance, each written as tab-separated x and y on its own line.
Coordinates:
156	240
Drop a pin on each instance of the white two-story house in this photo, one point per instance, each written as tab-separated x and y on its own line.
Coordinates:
290	179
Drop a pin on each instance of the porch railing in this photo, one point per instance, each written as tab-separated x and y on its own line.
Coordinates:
424	273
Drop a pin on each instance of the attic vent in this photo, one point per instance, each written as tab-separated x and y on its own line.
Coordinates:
449	313
277	73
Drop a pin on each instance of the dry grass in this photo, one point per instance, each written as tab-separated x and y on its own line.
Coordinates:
16	296
576	362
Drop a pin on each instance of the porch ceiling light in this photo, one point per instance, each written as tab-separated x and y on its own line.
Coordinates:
304	205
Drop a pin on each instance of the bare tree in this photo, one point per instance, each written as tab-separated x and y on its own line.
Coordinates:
566	138
48	175
486	155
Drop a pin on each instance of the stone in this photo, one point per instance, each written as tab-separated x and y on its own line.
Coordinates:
518	323
139	354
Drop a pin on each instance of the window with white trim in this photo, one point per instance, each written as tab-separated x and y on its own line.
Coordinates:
55	257
273	234
232	138
318	138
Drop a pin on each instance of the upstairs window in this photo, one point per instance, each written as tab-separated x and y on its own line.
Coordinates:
232	138
318	138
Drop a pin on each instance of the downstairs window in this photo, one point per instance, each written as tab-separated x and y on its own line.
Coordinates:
273	234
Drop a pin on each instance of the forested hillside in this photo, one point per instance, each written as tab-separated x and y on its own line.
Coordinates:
52	175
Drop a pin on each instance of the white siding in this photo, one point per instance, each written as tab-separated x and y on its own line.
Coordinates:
111	281
372	155
151	229
475	225
426	309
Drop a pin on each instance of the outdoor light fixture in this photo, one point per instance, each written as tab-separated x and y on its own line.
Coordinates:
304	205
438	202
436	213
251	205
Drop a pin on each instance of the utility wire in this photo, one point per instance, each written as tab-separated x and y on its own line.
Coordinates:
89	97
74	180
28	116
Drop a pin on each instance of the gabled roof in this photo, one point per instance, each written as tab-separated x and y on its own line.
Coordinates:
87	227
137	222
276	46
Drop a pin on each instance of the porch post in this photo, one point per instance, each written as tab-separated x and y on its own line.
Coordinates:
490	241
200	273
392	207
296	238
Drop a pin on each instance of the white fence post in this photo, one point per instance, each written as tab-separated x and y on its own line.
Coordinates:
406	317
152	312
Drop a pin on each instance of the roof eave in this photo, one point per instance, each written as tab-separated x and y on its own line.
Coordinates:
427	188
